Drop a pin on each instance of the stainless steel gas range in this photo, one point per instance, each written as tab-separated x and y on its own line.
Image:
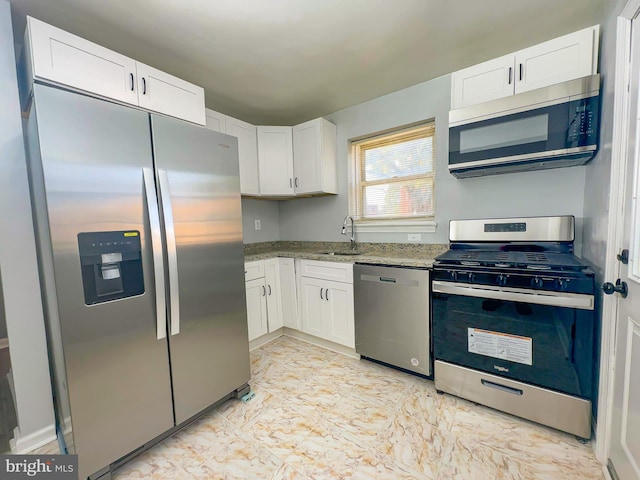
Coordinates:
513	320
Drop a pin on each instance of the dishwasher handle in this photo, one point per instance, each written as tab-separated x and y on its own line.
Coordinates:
389	280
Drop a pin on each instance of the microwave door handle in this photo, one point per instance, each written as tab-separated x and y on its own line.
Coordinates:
538	297
172	257
156	245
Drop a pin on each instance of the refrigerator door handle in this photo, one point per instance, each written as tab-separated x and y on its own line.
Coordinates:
172	257
156	245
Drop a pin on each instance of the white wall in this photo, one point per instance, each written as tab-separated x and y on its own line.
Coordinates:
267	211
23	304
598	171
550	192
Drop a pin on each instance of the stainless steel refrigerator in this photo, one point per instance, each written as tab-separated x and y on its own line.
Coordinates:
138	222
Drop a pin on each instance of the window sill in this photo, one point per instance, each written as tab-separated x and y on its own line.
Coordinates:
397	226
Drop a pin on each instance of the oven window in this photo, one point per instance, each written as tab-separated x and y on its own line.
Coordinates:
551	347
505	134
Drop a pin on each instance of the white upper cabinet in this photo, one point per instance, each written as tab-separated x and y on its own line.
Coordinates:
248	152
215	121
247	147
275	160
59	57
160	92
314	157
483	82
66	59
564	58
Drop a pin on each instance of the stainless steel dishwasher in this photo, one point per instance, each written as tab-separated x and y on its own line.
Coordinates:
392	316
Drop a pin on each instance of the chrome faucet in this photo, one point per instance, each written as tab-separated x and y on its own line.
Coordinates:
353	232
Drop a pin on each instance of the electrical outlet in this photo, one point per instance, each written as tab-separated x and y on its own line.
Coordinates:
414	237
258	225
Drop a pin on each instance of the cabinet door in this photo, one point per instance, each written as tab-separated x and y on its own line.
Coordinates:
483	82
307	157
256	308
67	59
340	327
248	152
288	293
163	93
215	121
313	305
275	159
558	60
274	302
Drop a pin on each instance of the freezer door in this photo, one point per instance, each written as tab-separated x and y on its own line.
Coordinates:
88	172
200	189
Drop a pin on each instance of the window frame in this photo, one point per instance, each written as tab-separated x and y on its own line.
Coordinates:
387	224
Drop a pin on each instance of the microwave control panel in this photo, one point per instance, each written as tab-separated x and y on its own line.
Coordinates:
584	117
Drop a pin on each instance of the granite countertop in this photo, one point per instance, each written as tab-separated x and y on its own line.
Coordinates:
402	254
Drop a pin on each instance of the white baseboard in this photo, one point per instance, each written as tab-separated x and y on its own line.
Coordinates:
320	342
24	444
264	339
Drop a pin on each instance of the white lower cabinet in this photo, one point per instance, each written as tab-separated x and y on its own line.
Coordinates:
256	308
271	295
288	294
327	305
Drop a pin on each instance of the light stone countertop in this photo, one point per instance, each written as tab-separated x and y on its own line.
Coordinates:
401	254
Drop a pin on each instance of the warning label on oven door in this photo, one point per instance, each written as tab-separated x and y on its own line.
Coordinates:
501	345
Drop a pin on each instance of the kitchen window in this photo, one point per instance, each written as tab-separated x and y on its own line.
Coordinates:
394	176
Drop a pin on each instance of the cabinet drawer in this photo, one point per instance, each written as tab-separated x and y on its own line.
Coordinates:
337	272
253	270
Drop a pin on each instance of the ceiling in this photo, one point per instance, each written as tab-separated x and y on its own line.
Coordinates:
282	62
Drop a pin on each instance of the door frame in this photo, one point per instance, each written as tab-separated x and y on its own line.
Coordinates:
619	161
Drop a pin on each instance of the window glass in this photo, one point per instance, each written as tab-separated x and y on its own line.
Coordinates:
394	174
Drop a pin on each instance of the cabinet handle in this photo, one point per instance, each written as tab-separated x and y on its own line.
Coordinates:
326	294
296	182
521	72
264	291
269	289
321	294
510	73
132	83
144	86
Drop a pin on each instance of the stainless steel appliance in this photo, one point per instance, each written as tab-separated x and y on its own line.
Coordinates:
392	316
550	127
140	250
513	320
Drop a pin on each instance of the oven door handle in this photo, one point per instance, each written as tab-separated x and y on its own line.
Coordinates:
539	297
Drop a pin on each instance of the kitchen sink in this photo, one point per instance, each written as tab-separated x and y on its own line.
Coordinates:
340	253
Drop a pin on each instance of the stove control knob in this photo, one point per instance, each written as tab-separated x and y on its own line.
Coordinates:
561	283
501	279
472	277
537	282
453	275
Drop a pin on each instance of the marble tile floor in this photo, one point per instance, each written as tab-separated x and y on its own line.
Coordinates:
318	414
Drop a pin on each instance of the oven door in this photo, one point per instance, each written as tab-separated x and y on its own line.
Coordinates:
538	337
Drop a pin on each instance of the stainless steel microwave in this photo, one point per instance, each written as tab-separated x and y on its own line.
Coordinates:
550	127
